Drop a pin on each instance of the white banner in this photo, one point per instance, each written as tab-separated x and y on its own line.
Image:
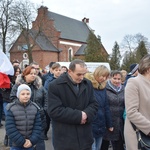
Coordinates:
5	64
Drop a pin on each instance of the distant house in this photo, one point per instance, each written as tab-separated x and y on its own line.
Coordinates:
53	37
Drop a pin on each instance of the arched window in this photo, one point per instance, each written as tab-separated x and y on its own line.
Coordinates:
70	54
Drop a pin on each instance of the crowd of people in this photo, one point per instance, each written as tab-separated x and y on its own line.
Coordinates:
86	110
37	82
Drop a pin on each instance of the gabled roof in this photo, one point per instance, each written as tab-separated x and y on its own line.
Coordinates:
81	50
43	41
70	29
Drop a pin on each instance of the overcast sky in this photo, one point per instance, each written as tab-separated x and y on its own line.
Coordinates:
111	19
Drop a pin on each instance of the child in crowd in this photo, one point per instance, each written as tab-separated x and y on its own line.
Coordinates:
23	123
56	70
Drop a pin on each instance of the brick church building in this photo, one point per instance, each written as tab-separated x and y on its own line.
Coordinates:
53	37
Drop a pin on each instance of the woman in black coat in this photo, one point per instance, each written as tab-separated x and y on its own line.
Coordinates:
115	94
39	96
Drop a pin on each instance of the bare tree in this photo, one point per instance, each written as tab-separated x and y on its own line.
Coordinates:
140	38
131	42
134	47
128	43
6	24
24	13
16	18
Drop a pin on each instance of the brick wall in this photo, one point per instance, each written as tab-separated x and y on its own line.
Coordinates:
44	57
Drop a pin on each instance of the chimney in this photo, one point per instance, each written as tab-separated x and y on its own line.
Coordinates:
85	20
42	10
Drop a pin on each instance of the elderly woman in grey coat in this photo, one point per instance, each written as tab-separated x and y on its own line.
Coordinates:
137	103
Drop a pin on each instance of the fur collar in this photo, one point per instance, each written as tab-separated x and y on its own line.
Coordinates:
37	82
95	84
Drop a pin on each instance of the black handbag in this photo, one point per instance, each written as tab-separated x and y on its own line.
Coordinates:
143	140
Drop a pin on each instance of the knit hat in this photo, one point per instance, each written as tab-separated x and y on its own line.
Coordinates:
133	68
23	87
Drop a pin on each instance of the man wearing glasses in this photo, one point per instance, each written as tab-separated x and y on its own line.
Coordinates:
37	68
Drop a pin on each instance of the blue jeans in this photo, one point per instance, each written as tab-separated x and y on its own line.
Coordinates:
40	145
20	148
1	110
97	143
4	107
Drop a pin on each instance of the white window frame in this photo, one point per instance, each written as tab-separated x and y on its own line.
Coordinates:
70	53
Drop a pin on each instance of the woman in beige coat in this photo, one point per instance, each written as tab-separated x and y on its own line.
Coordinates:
137	102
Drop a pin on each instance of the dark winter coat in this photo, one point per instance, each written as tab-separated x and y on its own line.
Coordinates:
116	103
46	76
48	80
103	118
6	95
64	107
1	98
6	91
23	122
127	78
39	95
